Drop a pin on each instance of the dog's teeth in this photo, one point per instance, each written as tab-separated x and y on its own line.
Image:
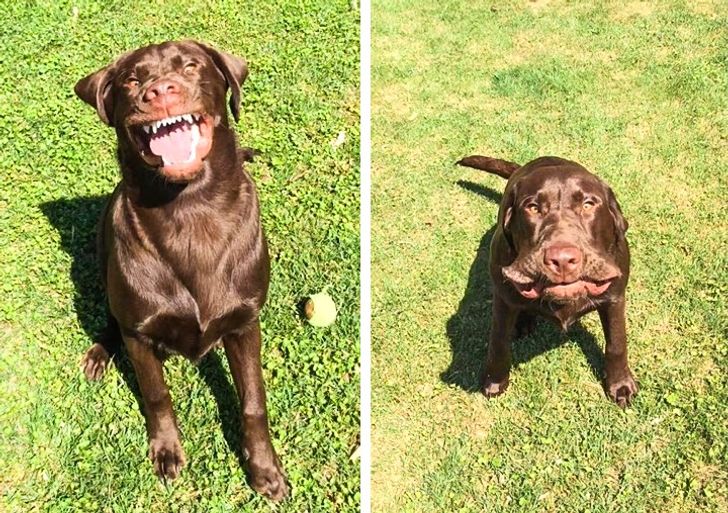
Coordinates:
188	118
147	128
154	128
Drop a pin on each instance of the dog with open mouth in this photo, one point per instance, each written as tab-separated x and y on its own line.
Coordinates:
559	250
182	253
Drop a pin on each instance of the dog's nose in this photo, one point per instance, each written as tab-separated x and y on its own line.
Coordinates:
563	259
162	91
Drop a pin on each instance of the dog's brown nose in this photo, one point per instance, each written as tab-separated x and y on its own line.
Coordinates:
163	91
563	260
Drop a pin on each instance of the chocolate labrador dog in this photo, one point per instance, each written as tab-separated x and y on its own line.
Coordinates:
559	251
182	252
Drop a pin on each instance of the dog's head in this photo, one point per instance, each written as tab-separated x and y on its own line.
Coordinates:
164	101
565	226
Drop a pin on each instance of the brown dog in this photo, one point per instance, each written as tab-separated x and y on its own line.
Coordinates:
183	256
559	250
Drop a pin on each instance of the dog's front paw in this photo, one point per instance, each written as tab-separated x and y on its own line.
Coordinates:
621	388
94	362
490	387
167	456
268	479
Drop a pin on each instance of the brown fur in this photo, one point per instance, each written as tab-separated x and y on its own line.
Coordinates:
183	256
559	229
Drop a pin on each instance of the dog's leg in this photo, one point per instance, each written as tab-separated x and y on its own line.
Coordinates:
619	382
165	449
243	353
498	361
97	357
525	324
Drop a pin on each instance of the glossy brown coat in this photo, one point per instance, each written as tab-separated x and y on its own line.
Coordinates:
549	204
183	255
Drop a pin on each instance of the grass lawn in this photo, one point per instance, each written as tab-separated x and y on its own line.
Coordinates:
69	445
635	91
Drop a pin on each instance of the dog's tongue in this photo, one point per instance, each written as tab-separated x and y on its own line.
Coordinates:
173	144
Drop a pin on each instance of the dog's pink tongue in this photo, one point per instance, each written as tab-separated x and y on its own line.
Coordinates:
172	144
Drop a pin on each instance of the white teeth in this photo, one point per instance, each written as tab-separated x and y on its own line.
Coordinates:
154	126
195	140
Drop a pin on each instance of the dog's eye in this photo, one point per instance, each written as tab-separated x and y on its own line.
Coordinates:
588	205
532	208
132	82
190	67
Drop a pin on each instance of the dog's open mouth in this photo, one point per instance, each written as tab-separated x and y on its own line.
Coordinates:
563	291
176	145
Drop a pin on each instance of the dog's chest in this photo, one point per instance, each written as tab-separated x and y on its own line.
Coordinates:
568	313
203	260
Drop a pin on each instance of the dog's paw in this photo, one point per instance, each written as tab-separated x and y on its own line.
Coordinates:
492	388
268	479
167	456
94	362
621	389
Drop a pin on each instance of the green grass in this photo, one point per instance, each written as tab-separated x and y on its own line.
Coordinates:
69	445
637	93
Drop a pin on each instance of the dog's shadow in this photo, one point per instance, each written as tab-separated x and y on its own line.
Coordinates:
76	220
469	327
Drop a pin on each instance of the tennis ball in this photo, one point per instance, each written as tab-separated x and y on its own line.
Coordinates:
320	310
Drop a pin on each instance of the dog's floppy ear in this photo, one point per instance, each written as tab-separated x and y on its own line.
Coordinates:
507	205
505	213
95	89
620	223
235	71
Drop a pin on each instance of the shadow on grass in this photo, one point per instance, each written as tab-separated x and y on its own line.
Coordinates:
469	327
228	406
76	220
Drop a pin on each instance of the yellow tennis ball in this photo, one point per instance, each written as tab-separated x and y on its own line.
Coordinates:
320	310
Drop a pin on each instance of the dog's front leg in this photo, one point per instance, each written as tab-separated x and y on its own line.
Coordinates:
243	353
494	380
619	381
165	449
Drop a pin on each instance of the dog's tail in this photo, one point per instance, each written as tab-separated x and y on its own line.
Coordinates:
499	167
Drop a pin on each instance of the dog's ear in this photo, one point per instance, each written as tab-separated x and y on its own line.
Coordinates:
96	90
505	214
507	205
235	71
620	223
